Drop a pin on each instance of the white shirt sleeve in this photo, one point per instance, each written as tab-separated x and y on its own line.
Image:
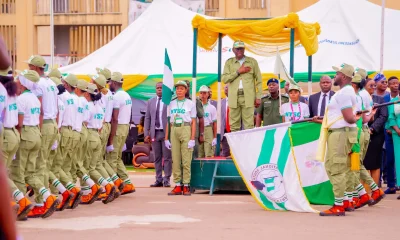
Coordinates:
169	110
38	91
213	113
305	110
21	106
193	112
347	99
117	102
284	108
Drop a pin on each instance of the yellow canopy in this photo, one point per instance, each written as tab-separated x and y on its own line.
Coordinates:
262	37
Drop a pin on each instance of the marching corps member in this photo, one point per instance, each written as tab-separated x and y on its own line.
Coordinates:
93	151
210	124
90	190
294	110
11	137
182	113
121	116
24	166
342	135
107	105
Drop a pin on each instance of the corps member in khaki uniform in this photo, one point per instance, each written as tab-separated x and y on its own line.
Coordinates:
245	87
268	112
182	113
206	149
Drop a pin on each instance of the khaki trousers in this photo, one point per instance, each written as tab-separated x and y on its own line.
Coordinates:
206	149
114	158
104	135
241	114
11	141
181	154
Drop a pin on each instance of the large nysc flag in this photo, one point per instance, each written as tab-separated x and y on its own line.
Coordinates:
168	80
277	164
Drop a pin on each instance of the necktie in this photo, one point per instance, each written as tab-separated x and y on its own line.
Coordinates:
158	113
227	126
322	110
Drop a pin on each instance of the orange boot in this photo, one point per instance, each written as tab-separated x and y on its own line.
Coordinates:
110	191
66	199
348	206
101	196
50	206
74	203
364	200
129	188
186	191
377	196
119	184
178	190
334	211
25	206
36	212
92	197
117	194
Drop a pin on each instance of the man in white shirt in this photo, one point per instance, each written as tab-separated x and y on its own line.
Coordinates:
318	102
155	124
121	116
47	94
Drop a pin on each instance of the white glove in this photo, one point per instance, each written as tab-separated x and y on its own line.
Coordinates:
15	156
191	144
167	144
55	145
124	147
110	148
214	142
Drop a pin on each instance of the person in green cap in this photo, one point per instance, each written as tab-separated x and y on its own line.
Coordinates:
23	170
210	124
268	113
121	116
182	114
47	95
245	87
294	110
90	189
107	105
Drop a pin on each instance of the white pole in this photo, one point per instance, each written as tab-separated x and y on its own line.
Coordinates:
382	34
51	33
268	8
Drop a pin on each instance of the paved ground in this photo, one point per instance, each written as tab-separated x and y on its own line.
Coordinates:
151	214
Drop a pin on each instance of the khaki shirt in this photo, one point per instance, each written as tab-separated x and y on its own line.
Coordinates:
269	109
252	81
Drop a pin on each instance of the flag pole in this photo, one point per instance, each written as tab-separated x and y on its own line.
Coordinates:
51	33
217	147
382	34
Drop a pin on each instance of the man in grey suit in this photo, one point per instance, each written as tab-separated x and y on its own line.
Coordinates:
213	102
318	102
155	124
226	152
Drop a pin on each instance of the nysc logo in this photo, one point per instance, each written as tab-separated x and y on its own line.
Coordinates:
12	107
51	89
35	111
2	98
269	181
178	111
70	101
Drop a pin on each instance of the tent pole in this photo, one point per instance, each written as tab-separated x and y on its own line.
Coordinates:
217	149
309	76
292	52
382	35
194	71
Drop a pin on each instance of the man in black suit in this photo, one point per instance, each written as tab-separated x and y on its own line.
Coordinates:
317	102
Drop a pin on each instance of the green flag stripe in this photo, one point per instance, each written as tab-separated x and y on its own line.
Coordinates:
267	203
167	62
284	153
312	131
267	147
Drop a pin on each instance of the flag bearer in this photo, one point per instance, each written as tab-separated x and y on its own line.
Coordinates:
182	113
107	105
210	124
121	116
342	135
11	137
93	161
90	190
23	168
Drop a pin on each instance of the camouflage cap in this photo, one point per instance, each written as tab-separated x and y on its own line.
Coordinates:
92	88
99	79
105	72
6	73
346	69
82	85
117	77
31	75
181	83
56	80
238	44
71	79
37	60
54	73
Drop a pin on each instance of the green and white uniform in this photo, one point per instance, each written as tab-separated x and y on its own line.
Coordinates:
210	116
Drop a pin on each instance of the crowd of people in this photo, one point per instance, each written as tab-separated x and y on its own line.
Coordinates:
362	130
57	129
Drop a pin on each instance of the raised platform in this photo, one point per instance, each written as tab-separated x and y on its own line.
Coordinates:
217	173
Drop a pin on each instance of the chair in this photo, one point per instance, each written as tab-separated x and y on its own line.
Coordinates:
143	156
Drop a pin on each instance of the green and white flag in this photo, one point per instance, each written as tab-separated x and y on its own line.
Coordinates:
168	81
269	163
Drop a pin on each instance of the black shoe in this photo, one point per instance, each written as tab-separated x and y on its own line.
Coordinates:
157	184
167	184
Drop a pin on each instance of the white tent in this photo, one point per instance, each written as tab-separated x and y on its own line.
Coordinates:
350	32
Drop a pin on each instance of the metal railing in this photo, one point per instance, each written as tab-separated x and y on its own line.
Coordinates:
7	6
77	6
